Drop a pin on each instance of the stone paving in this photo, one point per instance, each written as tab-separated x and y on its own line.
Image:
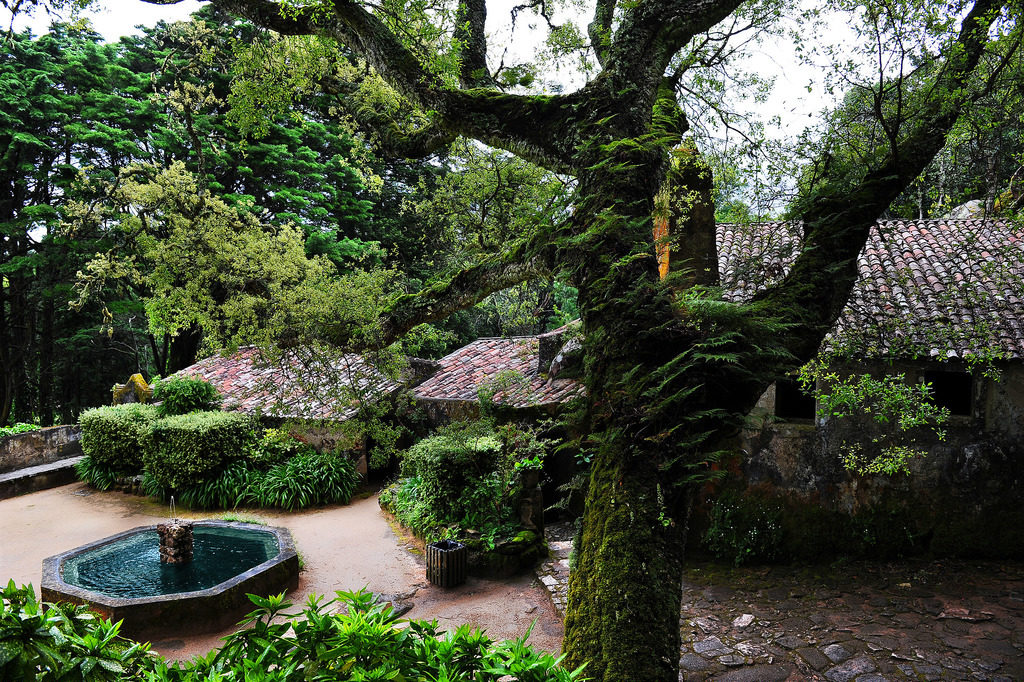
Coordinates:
859	622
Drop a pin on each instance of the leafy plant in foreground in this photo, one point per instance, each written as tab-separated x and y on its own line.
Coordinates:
353	637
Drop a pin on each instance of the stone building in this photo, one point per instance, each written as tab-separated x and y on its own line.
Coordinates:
939	302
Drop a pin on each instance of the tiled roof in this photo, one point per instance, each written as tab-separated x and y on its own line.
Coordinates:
296	386
959	280
926	288
506	363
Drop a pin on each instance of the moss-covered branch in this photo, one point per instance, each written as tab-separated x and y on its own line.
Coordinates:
652	32
837	218
533	127
463	290
472	18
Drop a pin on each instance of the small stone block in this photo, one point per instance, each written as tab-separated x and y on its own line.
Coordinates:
850	670
814	658
709	644
836	653
743	621
791	642
732	660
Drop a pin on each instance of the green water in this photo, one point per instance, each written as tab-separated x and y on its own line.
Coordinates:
131	567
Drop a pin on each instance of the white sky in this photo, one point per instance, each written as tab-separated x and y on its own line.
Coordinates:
789	99
114	18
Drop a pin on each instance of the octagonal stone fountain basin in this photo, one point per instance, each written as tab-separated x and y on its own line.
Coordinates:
122	578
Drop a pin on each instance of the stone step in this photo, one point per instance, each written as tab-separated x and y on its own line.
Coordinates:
41	477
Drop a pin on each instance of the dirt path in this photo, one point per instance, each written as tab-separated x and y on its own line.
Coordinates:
343	548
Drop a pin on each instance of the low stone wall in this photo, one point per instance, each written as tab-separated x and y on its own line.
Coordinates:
42	446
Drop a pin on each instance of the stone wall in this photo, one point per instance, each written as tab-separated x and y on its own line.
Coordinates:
325	438
42	446
962	497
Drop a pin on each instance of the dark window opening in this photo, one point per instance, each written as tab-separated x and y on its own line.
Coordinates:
791	402
952	390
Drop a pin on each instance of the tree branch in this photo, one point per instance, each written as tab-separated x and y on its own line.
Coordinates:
472	18
464	290
837	219
537	128
652	31
600	29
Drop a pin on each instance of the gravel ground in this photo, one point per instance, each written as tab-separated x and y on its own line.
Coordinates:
343	548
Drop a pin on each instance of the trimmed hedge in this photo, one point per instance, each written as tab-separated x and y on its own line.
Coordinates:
185	449
114	437
182	395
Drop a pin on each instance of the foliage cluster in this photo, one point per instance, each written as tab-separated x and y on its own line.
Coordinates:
181	395
121	164
188	448
210	459
742	531
351	638
63	643
889	401
307	479
13	429
468	476
757	525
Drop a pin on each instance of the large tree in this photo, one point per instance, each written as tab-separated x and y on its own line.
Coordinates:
669	366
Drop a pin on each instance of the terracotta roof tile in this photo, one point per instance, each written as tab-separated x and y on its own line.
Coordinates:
481	362
296	387
959	281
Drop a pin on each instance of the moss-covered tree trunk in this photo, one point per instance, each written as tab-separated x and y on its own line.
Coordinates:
625	588
626	584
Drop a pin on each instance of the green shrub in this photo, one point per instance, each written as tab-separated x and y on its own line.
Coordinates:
95	474
235	486
403	499
449	463
186	449
182	395
20	427
465	477
354	637
744	529
64	642
115	436
276	446
308	479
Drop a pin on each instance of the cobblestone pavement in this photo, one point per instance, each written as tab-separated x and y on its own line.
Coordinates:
860	621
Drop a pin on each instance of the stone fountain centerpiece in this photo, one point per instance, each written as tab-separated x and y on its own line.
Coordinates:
127	577
176	541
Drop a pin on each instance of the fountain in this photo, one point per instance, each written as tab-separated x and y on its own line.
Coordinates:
176	539
177	577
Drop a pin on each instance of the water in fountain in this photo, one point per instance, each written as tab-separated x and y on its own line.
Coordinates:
131	566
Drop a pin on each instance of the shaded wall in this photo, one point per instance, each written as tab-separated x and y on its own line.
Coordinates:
41	446
962	498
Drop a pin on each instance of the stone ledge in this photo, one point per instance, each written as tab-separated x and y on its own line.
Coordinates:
40	477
